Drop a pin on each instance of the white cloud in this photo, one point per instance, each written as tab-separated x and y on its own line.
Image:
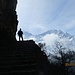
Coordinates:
66	42
49	39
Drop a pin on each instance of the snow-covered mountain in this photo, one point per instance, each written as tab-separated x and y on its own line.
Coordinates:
51	36
27	34
59	33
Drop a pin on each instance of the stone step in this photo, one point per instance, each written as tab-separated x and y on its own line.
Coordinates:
17	54
17	58
31	72
17	62
25	67
25	50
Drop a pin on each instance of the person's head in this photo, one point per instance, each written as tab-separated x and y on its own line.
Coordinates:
20	29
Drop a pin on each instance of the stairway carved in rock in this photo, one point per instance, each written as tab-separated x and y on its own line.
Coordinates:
19	58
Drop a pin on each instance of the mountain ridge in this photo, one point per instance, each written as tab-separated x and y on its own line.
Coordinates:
60	33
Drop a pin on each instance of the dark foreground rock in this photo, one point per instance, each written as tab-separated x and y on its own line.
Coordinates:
22	58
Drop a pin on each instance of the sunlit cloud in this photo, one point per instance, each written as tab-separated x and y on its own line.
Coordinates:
50	39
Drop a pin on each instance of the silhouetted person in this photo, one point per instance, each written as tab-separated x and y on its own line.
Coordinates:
20	34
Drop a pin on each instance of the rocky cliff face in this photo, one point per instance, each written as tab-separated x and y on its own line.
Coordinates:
17	58
8	18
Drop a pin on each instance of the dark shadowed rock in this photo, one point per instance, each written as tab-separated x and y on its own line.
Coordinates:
8	19
22	58
17	57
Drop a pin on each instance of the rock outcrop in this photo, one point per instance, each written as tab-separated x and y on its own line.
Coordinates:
22	58
8	19
17	57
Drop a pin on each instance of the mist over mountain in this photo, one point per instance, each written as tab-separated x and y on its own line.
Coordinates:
58	33
50	37
27	34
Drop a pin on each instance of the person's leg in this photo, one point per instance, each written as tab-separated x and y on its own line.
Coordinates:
19	38
22	38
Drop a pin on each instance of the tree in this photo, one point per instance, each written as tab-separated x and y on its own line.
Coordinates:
63	56
43	48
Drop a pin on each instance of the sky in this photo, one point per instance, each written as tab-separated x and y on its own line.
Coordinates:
38	16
